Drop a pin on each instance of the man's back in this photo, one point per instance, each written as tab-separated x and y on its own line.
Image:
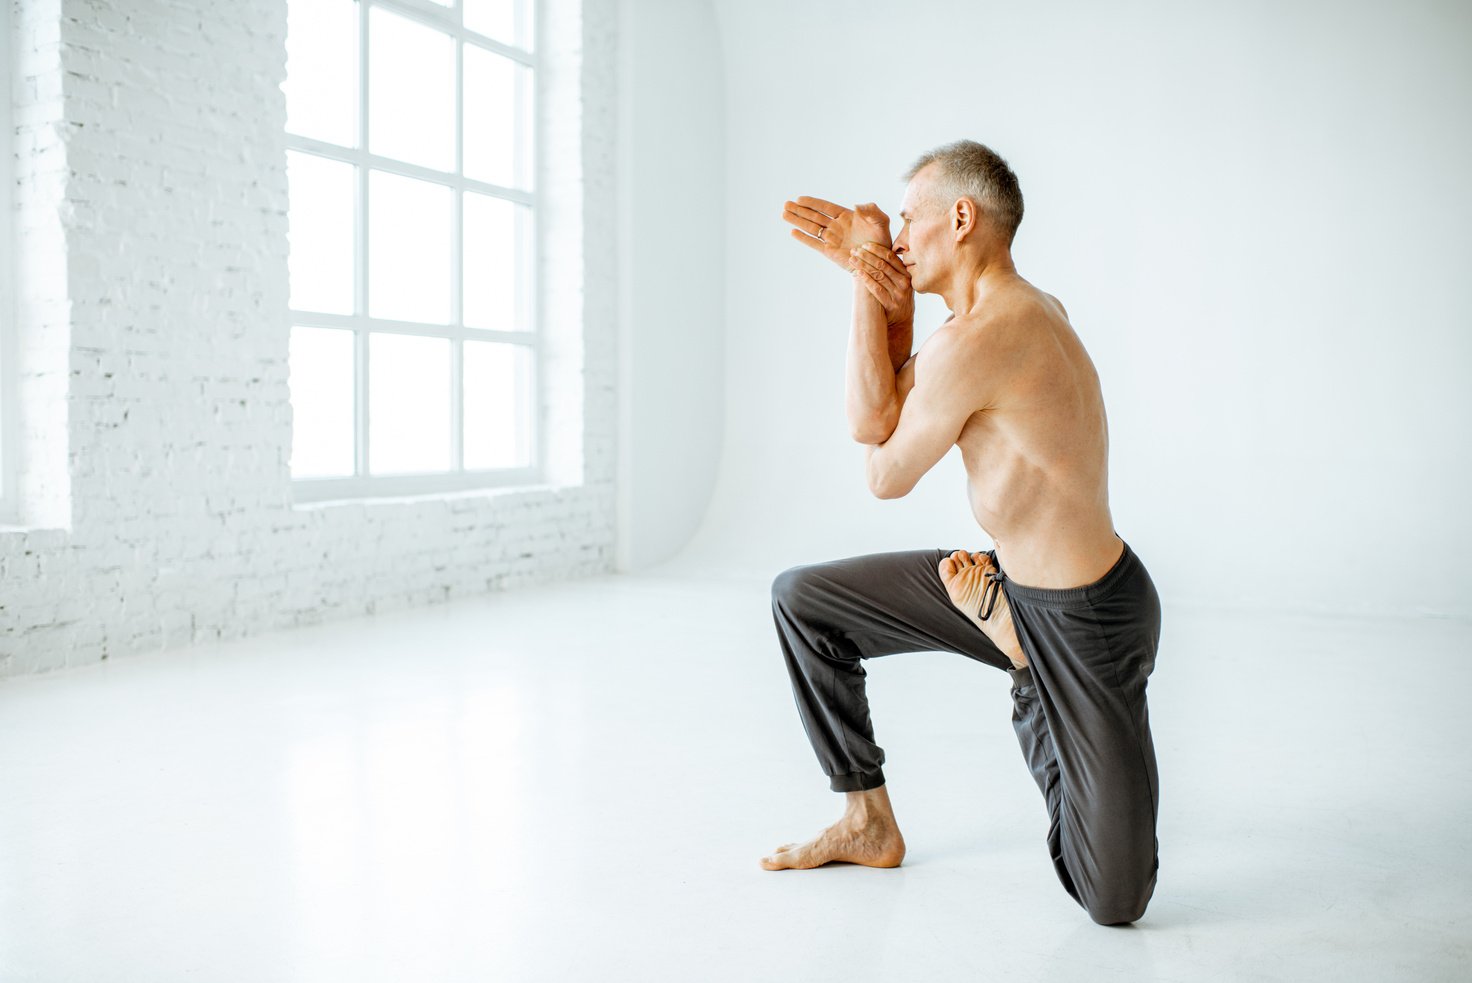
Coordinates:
1036	452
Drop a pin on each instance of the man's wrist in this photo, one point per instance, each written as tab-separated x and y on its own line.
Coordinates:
898	329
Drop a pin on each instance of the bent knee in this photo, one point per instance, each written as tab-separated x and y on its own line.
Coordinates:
1117	913
1124	904
792	586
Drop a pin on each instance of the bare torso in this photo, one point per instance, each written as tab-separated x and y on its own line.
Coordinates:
1036	450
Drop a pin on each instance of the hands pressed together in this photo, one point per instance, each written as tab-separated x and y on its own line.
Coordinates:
858	240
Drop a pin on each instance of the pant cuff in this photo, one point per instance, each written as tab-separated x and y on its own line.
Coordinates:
857	781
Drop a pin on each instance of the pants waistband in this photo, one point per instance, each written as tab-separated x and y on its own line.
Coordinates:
1066	597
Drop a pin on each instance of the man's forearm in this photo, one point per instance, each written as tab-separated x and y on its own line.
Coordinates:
876	351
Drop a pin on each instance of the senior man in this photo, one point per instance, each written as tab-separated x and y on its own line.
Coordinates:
1060	602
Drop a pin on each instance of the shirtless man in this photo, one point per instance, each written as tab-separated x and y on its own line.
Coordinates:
1061	602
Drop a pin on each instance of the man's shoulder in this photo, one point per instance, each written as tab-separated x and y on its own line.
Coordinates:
978	330
1010	316
963	347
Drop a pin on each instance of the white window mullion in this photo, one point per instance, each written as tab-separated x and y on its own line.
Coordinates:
532	242
333	152
452	20
457	267
319	320
360	258
9	283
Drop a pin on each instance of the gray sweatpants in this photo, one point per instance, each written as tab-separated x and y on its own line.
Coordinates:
1078	706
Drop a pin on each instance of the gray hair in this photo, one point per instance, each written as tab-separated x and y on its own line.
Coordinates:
968	168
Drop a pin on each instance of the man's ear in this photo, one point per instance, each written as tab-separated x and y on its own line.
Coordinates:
963	217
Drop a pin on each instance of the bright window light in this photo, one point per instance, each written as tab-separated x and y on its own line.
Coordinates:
321	402
408	403
412	234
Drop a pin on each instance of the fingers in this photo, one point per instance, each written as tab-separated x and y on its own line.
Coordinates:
808	240
826	208
860	264
805	219
872	263
797	214
879	287
874	255
875	288
804	212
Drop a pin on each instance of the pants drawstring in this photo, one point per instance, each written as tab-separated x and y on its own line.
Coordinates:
991	589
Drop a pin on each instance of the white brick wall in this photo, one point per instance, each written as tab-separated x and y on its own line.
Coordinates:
152	347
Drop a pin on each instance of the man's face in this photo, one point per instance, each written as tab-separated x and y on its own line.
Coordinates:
921	243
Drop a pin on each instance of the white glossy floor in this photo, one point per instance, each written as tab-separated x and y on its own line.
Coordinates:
575	783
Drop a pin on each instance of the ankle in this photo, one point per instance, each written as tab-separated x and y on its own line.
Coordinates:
868	807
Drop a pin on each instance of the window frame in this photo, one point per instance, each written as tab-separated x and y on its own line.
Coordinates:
362	485
9	283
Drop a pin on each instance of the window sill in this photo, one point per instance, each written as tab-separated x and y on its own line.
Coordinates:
341	492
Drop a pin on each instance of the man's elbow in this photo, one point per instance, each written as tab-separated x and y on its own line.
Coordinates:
873	433
881	487
875	430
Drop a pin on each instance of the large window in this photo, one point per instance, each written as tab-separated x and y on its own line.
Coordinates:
412	230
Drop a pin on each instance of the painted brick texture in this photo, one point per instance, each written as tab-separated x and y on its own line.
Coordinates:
152	338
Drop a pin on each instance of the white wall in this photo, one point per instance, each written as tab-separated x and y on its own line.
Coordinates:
153	331
1256	214
671	250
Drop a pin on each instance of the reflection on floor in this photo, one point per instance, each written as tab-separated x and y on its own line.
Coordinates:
575	782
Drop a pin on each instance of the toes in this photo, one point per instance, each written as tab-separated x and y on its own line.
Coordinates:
799	859
780	858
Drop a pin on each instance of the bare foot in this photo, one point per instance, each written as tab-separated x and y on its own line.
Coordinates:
867	834
964	575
